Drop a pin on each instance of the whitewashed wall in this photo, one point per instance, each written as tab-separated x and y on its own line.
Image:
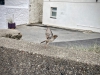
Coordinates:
18	8
75	14
3	24
72	0
21	15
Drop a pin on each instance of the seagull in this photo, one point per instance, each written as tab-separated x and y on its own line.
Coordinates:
49	36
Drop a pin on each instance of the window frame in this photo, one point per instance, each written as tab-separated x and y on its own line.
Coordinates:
55	11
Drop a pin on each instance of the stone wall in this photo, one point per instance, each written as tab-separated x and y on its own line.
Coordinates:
35	11
15	62
10	33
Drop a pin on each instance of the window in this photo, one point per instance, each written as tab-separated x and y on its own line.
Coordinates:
2	2
53	12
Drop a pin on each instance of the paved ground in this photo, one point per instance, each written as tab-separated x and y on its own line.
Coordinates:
32	35
66	37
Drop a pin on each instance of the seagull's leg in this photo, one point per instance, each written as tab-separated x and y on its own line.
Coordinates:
43	41
47	42
45	46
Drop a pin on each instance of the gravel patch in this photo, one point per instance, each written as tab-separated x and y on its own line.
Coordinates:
10	33
15	62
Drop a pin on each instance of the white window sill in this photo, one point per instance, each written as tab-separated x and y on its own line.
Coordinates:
53	17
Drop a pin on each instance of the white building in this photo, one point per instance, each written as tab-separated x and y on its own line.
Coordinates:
24	11
74	14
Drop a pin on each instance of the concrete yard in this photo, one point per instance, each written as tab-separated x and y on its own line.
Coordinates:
66	37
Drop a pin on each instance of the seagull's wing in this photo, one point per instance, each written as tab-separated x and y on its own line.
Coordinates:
48	33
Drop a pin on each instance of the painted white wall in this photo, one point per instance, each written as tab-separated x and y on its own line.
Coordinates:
71	0
3	24
24	11
18	8
21	15
81	15
17	3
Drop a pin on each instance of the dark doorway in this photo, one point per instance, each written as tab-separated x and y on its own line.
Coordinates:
2	2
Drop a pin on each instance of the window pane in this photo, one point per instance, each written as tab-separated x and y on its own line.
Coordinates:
54	8
54	14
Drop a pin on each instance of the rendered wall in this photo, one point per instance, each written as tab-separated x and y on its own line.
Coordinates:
76	15
73	0
21	15
3	24
18	8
